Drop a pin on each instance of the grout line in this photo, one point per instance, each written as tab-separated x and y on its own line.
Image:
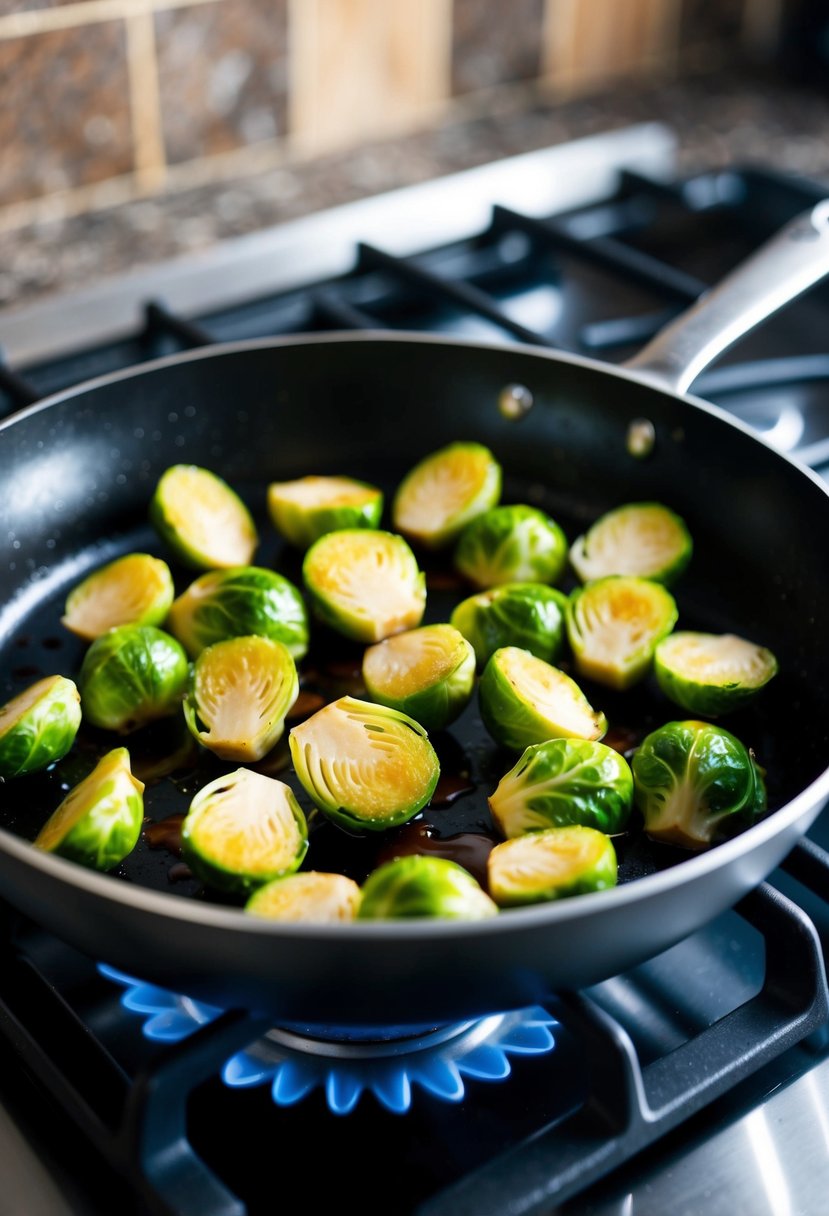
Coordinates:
85	12
145	102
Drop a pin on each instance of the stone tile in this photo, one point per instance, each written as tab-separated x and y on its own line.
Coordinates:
223	75
64	110
494	43
26	6
711	20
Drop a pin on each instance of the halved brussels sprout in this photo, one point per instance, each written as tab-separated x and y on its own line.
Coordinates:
365	584
130	676
555	864
447	489
527	615
240	692
511	545
419	886
38	726
306	509
712	674
132	590
641	538
562	782
203	521
311	897
524	700
365	766
689	777
243	830
614	626
99	821
427	673
237	603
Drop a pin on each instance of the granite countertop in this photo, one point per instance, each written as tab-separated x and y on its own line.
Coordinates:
719	120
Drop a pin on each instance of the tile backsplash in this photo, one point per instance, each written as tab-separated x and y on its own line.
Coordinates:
105	100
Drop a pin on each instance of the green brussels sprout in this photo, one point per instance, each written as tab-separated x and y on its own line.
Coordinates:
130	676
99	821
365	766
307	509
444	492
419	886
237	603
511	545
642	538
310	897
240	691
711	674
614	626
524	700
243	830
427	673
562	782
132	590
202	520
38	726
555	864
527	615
365	584
690	777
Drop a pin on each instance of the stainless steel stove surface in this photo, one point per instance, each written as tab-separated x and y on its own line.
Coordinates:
697	1083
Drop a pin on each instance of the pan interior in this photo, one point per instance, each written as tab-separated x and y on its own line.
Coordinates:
371	421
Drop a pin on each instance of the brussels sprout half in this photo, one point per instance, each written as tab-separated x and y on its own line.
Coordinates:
364	584
419	886
642	538
99	821
38	726
524	700
555	864
236	603
711	674
562	782
307	509
427	673
365	766
240	692
243	830
527	615
447	489
688	777
311	897
130	676
511	545
203	521
614	625
132	590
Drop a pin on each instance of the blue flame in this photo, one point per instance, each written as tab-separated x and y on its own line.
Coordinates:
479	1050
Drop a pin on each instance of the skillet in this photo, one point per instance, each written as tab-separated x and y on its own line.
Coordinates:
78	470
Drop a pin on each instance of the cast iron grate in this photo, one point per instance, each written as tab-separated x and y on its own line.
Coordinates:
600	280
136	1104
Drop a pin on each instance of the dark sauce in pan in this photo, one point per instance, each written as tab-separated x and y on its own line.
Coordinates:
457	823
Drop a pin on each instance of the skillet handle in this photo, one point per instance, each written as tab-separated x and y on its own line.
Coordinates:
790	263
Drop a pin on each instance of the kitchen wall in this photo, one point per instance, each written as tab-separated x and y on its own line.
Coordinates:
102	101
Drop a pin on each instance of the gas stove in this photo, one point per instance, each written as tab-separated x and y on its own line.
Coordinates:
696	1083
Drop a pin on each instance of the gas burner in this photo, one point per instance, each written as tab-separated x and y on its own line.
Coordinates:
294	1064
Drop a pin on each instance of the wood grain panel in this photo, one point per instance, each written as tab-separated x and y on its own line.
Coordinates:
363	68
588	45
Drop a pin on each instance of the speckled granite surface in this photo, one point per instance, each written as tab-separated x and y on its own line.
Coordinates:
718	120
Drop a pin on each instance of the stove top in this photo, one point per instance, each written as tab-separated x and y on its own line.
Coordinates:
699	1081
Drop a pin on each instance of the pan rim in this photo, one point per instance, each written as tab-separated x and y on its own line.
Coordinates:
410	337
694	867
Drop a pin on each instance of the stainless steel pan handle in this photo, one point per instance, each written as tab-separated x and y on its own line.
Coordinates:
793	260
